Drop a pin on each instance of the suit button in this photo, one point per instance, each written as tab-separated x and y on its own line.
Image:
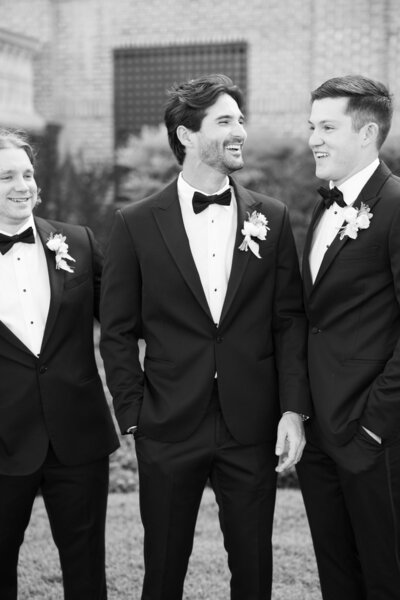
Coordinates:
315	330
219	340
43	369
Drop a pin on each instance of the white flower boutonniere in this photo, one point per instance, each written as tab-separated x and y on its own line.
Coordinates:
56	242
355	220
256	226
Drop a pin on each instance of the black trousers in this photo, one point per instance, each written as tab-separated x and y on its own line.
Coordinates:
352	499
172	478
76	502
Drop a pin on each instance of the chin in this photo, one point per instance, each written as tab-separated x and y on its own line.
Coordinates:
322	174
235	167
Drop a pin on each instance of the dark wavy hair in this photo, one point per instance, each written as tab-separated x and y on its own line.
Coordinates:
368	101
188	102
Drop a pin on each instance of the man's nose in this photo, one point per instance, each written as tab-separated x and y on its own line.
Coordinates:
315	139
239	131
21	184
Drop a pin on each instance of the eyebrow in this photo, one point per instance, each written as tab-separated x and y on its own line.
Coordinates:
241	116
323	121
9	171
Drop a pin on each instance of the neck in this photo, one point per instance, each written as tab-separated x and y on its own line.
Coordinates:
207	181
11	228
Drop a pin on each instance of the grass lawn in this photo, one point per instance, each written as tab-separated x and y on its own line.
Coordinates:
295	576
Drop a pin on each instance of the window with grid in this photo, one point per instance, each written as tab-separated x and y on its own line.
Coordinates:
142	76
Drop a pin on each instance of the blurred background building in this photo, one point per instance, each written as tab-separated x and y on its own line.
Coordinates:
97	69
81	76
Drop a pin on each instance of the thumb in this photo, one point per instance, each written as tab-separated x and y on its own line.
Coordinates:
280	442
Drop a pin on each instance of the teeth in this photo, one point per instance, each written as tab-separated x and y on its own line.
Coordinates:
321	154
19	200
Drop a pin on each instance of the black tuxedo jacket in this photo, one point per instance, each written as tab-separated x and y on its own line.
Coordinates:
152	290
58	396
354	314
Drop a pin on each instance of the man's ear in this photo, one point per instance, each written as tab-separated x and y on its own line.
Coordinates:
370	133
184	135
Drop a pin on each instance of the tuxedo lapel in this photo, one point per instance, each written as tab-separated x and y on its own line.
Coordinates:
56	277
8	335
369	195
169	220
245	204
307	278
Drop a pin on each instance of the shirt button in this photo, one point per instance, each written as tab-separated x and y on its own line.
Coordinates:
315	330
43	369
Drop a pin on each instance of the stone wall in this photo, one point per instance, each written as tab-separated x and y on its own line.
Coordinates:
292	47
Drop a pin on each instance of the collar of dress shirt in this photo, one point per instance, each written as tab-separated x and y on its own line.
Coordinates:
352	187
186	191
29	223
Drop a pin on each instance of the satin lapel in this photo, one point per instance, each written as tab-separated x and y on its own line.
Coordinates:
369	195
56	278
13	339
169	220
307	279
245	204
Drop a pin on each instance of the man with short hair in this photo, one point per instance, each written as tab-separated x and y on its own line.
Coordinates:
350	471
207	273
56	430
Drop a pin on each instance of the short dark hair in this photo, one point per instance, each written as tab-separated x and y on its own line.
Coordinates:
188	102
16	139
368	100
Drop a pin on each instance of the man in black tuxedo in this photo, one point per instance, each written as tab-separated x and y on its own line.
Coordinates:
350	471
207	273
56	430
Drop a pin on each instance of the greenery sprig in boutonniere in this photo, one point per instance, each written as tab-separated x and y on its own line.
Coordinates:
355	220
256	226
56	243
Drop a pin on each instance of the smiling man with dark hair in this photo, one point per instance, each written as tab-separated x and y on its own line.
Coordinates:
207	273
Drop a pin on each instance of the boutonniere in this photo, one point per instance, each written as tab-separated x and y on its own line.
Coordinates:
256	225
355	220
56	243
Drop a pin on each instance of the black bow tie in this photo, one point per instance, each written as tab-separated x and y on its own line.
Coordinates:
201	201
331	196
7	241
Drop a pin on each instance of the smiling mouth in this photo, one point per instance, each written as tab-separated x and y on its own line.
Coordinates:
321	154
234	148
19	200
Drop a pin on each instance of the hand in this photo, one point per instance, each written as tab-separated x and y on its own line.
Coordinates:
290	441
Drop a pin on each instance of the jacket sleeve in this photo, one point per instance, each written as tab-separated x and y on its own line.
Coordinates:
290	326
97	266
120	312
382	412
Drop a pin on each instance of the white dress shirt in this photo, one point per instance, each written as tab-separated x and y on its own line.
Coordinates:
25	290
332	219
211	235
